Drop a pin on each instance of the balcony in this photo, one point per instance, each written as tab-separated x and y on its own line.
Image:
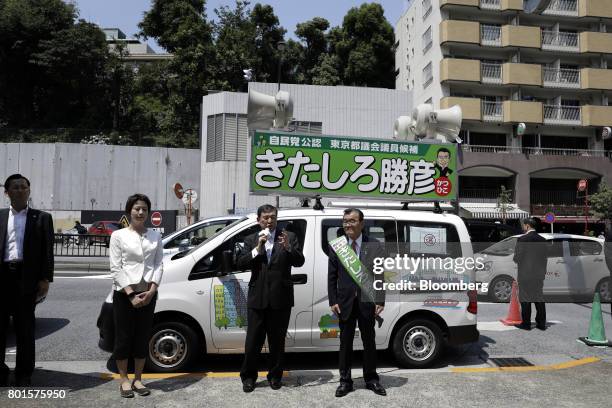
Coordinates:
560	41
595	8
522	74
595	78
459	32
567	8
490	4
490	73
470	107
520	36
471	3
490	35
492	111
536	151
600	43
561	78
562	115
522	111
480	195
596	115
455	69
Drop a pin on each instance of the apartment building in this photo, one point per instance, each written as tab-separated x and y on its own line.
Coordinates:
547	64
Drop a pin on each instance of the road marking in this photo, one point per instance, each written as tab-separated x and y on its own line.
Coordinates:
107	276
210	374
560	366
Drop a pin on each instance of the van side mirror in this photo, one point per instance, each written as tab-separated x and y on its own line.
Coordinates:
227	261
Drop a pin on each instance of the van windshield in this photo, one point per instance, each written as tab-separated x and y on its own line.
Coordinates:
221	231
502	248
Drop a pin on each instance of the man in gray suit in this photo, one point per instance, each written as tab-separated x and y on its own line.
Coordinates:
26	268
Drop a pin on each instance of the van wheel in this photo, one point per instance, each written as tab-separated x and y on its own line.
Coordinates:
417	343
172	347
500	290
603	288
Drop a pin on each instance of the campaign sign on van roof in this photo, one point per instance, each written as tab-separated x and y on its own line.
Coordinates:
298	164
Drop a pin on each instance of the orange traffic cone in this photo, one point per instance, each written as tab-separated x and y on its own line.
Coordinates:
514	312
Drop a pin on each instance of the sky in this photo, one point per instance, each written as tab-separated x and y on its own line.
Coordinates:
126	14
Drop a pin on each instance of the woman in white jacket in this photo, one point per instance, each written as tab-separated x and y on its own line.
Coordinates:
136	255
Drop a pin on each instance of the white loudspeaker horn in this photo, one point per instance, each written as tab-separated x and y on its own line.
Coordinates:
266	111
403	128
445	124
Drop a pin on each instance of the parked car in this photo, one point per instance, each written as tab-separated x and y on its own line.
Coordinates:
485	233
576	267
194	234
201	306
104	229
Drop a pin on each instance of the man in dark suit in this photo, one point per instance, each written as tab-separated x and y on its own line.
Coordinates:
26	268
530	257
270	256
348	301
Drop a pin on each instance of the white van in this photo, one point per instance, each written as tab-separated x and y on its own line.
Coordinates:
201	306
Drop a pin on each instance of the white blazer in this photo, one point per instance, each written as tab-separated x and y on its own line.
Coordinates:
134	258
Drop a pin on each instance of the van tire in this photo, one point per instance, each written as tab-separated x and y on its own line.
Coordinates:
502	283
173	346
417	343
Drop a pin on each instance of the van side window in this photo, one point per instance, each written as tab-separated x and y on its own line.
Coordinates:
555	248
581	247
432	239
383	231
208	266
199	234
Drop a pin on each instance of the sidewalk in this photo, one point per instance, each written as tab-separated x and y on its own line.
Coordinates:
82	263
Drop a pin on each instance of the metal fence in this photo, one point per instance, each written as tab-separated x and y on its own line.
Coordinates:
562	78
560	114
491	73
490	4
560	40
490	35
544	151
83	245
492	111
562	8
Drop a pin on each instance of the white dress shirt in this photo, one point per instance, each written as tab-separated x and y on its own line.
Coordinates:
15	232
269	245
135	258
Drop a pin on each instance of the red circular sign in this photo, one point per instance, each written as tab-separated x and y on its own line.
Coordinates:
156	219
443	186
582	185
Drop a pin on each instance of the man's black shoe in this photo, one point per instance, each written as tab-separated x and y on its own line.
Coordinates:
23	382
4	380
248	385
275	383
343	389
541	327
377	388
523	326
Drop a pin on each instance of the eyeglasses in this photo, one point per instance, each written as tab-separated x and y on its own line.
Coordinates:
350	222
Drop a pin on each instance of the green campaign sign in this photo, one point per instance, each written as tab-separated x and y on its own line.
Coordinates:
297	164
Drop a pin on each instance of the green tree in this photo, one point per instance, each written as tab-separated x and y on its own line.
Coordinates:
240	321
180	26
313	34
601	202
268	33
504	201
365	47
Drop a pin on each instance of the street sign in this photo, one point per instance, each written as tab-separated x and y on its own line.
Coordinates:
156	218
549	218
190	194
178	190
582	185
124	221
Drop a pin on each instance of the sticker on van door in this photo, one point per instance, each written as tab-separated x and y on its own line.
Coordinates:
231	304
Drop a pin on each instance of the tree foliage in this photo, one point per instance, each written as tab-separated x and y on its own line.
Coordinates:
601	202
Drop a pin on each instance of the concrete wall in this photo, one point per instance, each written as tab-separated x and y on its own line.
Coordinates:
67	176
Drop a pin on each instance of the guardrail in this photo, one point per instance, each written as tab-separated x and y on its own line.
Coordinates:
560	41
82	245
544	151
492	111
562	115
490	4
562	78
562	8
491	73
490	35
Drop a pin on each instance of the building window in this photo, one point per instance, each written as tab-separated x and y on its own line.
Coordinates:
427	40
427	75
426	8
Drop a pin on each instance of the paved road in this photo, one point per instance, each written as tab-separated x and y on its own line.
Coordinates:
68	358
